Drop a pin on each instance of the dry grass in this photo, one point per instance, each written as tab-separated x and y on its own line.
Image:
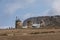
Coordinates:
30	34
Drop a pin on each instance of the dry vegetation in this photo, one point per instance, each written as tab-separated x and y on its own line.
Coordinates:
30	34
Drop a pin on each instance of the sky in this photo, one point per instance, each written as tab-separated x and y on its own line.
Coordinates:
24	9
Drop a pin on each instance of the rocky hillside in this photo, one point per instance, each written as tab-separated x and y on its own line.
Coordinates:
49	20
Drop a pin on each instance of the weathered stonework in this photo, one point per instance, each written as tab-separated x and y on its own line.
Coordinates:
18	24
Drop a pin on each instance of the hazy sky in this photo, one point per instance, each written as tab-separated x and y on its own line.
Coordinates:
24	9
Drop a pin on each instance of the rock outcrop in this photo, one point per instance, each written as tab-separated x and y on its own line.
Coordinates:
51	21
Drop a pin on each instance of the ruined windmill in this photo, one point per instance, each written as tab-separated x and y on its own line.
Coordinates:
18	23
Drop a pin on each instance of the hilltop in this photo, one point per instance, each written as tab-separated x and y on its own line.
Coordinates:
50	21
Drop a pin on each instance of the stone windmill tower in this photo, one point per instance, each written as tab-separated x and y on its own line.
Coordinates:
18	23
29	24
